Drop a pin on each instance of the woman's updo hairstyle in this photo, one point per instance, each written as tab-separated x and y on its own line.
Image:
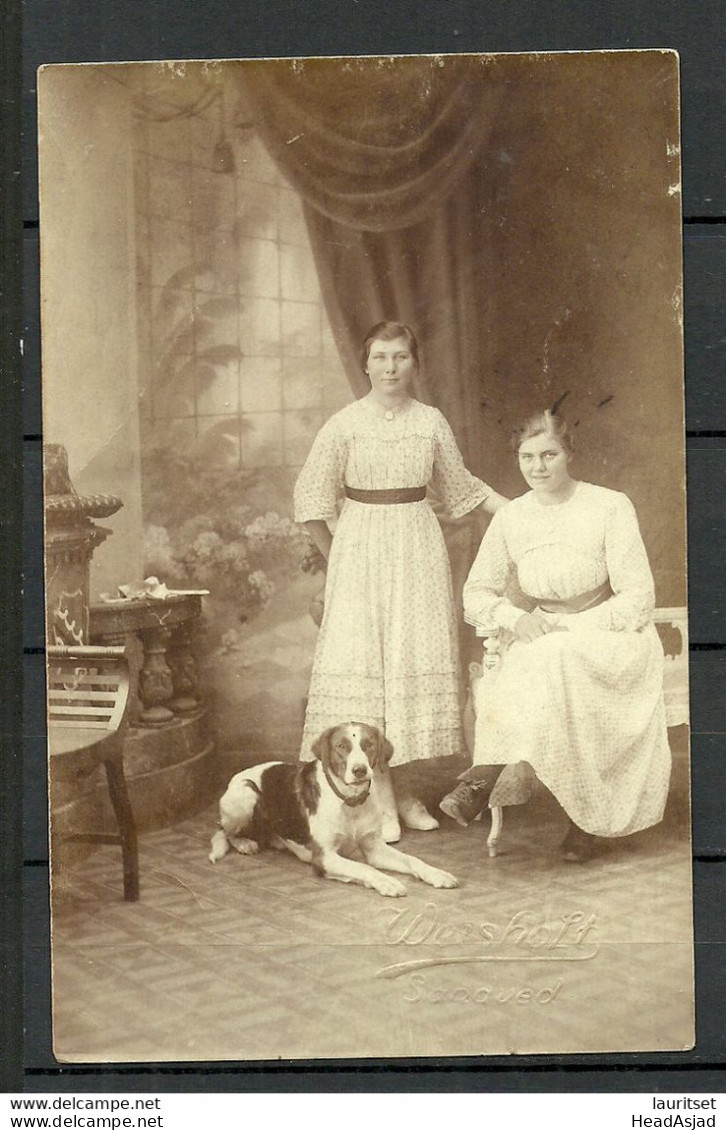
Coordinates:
388	331
543	423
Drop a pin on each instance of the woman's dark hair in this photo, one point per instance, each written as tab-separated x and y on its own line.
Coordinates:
543	423
388	331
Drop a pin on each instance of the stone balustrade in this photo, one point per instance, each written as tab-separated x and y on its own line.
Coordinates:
169	755
166	686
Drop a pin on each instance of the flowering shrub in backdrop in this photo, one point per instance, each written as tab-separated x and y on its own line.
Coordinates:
201	533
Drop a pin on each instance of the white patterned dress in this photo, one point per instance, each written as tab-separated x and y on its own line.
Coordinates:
387	652
583	705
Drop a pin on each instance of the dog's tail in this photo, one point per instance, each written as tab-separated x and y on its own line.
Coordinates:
220	846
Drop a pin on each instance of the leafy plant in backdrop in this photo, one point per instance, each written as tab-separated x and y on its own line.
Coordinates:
206	524
210	522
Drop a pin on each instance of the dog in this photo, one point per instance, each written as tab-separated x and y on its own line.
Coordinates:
322	811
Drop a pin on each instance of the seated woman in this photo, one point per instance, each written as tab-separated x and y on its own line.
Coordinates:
579	693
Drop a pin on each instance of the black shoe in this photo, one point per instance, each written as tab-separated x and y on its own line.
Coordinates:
465	802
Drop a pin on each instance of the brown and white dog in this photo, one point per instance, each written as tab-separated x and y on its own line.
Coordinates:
322	811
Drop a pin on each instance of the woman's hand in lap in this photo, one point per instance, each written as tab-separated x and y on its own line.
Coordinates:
531	626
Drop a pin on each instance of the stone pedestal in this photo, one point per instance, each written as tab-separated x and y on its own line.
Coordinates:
70	540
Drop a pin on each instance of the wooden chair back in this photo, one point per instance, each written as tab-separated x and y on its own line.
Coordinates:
88	687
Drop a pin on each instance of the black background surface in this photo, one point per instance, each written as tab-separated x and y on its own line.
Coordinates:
111	30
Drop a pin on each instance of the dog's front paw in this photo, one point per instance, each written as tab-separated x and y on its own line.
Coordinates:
391	888
244	846
219	847
437	878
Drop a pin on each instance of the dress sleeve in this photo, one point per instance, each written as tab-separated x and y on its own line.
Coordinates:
484	600
459	491
320	482
633	601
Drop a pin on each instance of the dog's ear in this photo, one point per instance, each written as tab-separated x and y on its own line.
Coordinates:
321	745
384	751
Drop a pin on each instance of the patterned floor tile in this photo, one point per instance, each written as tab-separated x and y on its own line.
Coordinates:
257	958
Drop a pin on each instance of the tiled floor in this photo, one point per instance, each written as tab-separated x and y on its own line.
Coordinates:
256	958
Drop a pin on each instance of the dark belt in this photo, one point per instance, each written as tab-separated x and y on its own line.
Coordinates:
578	603
387	497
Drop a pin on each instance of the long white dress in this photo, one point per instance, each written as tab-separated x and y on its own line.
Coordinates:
387	651
582	705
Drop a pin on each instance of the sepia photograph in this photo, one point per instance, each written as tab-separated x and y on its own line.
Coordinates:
365	557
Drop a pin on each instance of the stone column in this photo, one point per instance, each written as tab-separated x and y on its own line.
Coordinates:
183	666
155	684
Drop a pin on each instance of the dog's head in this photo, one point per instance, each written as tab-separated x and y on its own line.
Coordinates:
352	751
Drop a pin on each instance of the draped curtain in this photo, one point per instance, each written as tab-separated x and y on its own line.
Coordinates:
391	158
519	212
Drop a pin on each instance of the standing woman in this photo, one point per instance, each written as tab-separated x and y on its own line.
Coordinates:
387	652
